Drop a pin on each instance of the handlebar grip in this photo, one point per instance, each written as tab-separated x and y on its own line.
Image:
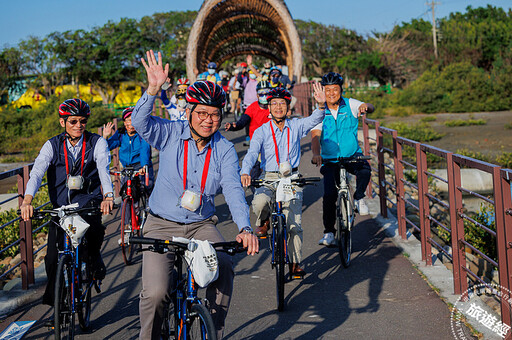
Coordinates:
145	240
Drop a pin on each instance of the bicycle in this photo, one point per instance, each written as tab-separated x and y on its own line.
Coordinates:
278	247
74	279
186	316
345	212
134	202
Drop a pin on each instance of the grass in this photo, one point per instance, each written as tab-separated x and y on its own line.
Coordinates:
428	119
462	122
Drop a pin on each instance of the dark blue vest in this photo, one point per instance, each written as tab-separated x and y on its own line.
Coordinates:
57	173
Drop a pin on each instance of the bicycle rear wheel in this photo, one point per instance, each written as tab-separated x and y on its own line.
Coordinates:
64	322
280	261
343	235
84	291
201	324
127	249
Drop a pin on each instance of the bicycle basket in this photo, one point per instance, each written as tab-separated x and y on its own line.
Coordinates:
75	226
203	263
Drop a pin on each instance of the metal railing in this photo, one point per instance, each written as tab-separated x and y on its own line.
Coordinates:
443	221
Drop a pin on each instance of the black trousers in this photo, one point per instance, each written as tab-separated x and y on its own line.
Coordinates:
331	173
94	237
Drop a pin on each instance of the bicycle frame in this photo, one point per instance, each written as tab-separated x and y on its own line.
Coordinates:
75	270
278	212
344	192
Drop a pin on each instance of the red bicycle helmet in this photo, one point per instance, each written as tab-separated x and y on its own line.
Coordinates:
279	92
206	93
127	112
183	81
74	107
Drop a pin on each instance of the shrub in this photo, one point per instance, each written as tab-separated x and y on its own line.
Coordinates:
474	154
505	160
508	126
461	122
420	132
428	119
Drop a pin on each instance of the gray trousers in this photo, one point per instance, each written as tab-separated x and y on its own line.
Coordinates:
292	211
157	269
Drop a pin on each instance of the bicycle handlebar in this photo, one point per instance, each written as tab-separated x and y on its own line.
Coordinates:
41	213
346	159
231	247
301	181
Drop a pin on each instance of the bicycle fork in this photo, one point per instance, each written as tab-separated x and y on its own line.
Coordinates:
275	216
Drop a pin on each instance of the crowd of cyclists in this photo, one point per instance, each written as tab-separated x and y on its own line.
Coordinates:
195	163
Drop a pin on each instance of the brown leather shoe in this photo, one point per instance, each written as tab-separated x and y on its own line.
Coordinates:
296	272
262	231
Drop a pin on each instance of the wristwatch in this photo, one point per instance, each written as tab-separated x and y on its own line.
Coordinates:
246	229
109	195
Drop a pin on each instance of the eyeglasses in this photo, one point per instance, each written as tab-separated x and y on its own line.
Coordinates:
276	104
214	116
75	121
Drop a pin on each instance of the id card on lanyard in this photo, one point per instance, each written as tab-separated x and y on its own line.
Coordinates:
74	182
191	200
285	167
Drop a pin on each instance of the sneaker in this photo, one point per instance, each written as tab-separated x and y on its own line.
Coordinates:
362	208
327	240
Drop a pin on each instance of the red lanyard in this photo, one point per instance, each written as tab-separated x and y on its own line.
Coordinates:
275	143
66	156
205	169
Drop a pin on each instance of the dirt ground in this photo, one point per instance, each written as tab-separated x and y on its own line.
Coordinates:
491	139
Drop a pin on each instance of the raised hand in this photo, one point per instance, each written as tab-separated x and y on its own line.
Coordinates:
107	129
155	72
319	94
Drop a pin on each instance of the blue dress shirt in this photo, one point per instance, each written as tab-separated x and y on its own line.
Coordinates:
262	141
223	174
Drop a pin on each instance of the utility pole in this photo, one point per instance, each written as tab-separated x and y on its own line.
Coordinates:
434	34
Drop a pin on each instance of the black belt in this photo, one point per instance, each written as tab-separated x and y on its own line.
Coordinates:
162	218
276	172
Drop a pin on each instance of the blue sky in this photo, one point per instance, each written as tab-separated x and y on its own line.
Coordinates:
19	19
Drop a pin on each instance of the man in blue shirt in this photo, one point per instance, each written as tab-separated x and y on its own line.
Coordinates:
337	136
195	161
133	150
278	141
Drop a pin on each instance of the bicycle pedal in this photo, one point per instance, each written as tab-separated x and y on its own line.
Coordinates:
262	237
297	276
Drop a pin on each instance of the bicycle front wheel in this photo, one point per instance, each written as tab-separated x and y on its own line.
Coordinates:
127	249
84	291
64	322
170	329
201	324
344	237
280	260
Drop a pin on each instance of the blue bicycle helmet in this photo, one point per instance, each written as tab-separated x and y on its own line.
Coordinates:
212	65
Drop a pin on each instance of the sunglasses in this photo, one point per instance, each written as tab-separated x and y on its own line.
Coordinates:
75	121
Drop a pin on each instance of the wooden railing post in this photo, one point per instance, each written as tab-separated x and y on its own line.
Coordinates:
504	216
26	244
423	202
457	226
400	190
381	169
366	149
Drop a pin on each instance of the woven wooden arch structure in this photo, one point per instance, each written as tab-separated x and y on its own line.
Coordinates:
224	29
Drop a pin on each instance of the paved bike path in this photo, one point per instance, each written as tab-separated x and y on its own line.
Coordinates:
380	296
